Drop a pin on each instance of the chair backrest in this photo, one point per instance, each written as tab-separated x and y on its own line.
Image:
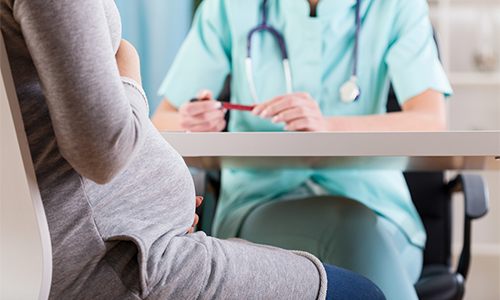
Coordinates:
25	248
433	203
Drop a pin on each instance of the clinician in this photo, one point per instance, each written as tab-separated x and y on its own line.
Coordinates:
361	220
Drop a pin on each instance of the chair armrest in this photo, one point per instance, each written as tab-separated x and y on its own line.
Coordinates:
475	191
200	179
476	201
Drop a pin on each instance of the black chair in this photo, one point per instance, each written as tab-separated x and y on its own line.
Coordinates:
432	198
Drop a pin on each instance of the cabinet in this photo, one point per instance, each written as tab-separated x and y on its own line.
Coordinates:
466	29
469	41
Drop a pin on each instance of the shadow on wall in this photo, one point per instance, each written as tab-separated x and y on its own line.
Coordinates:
157	29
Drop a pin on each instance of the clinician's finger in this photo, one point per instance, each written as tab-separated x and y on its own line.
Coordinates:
220	127
286	103
266	110
212	126
304	124
199	107
217	127
204	117
257	110
298	125
293	113
207	119
204	94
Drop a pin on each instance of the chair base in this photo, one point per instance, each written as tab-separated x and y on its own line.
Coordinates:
438	282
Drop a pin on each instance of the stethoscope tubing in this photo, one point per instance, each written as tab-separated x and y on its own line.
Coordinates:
349	91
356	39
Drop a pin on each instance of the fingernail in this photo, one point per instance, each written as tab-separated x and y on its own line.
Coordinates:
255	112
275	119
263	114
217	104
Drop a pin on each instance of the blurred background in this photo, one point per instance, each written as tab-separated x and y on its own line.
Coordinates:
156	28
469	42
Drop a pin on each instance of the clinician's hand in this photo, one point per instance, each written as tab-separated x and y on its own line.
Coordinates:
202	116
298	110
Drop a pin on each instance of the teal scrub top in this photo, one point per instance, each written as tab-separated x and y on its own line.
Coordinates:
396	43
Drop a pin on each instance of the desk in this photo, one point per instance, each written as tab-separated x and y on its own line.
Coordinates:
405	151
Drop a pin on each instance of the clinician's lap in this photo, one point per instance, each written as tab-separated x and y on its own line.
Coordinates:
340	232
312	224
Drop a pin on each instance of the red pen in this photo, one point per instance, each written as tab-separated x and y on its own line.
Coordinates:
230	106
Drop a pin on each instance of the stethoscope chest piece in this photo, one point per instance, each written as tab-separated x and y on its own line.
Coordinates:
349	91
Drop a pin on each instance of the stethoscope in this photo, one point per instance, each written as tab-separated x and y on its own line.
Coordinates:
349	91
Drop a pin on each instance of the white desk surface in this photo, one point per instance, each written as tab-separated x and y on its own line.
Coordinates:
406	151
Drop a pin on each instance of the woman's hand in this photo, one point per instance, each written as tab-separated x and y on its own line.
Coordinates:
298	110
128	62
205	115
199	199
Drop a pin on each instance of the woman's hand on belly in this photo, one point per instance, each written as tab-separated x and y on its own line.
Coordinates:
298	110
199	199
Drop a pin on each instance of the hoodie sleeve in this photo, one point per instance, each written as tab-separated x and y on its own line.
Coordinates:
98	118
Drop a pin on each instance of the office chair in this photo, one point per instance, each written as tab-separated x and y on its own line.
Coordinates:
25	241
432	198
